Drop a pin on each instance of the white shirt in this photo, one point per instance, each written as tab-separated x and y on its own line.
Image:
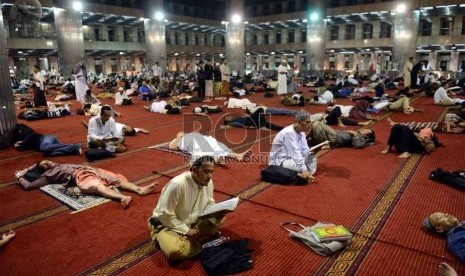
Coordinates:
156	70
345	109
98	130
225	72
182	201
239	103
119	97
39	80
327	97
119	129
158	107
288	144
441	95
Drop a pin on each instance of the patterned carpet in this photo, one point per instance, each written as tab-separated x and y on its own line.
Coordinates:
382	199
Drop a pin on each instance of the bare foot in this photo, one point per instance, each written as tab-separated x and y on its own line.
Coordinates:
80	151
341	125
405	155
407	112
446	270
386	150
391	122
125	200
243	155
365	123
147	189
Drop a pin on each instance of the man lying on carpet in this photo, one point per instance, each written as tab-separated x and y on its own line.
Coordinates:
290	149
102	131
451	228
198	144
88	179
175	224
254	120
407	142
321	132
49	145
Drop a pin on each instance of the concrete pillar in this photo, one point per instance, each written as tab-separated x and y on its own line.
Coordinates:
458	23
248	38
342	32
133	34
272	62
209	40
284	36
106	66
433	60
376	29
272	37
356	60
405	37
119	33
7	104
155	35
435	28
53	61
359	30
103	32
454	61
297	61
340	62
260	38
235	36
90	64
70	39
191	37
297	35
316	38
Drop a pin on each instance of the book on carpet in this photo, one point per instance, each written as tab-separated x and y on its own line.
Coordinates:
331	233
227	205
319	145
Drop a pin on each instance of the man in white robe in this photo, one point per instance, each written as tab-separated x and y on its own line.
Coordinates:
80	83
282	78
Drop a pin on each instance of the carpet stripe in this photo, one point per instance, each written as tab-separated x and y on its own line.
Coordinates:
34	218
346	261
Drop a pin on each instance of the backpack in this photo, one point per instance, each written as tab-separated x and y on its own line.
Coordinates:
359	142
454	179
21	131
98	154
281	175
227	258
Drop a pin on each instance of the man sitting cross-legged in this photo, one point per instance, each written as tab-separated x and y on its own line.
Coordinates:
290	149
198	144
102	131
88	179
175	224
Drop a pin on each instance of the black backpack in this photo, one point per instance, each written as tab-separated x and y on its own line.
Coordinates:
454	179
227	258
21	131
281	175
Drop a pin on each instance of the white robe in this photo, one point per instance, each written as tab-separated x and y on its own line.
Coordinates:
282	80
80	85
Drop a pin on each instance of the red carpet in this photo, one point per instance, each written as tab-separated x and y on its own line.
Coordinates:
381	197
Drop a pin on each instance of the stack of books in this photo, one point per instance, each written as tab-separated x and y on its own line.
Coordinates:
331	233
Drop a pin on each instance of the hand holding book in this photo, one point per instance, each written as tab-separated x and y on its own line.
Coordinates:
219	209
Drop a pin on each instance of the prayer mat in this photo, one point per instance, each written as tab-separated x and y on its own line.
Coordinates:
164	147
72	196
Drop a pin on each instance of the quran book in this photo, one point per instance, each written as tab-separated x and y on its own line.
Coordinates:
319	145
331	233
227	205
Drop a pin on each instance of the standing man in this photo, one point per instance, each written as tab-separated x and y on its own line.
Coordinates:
225	77
38	86
217	76
290	149
414	74
157	71
282	78
407	72
208	72
175	224
80	82
201	80
102	131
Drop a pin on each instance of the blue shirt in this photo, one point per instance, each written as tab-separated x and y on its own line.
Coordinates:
456	241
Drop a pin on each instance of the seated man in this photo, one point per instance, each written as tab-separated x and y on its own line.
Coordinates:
90	99
121	98
175	224
88	179
197	144
254	120
102	131
144	91
290	149
441	96
321	132
450	227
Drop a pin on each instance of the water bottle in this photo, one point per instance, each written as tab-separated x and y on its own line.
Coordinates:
216	242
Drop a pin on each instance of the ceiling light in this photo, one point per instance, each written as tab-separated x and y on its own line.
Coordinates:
121	53
236	19
401	8
20	52
159	16
77	5
176	54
